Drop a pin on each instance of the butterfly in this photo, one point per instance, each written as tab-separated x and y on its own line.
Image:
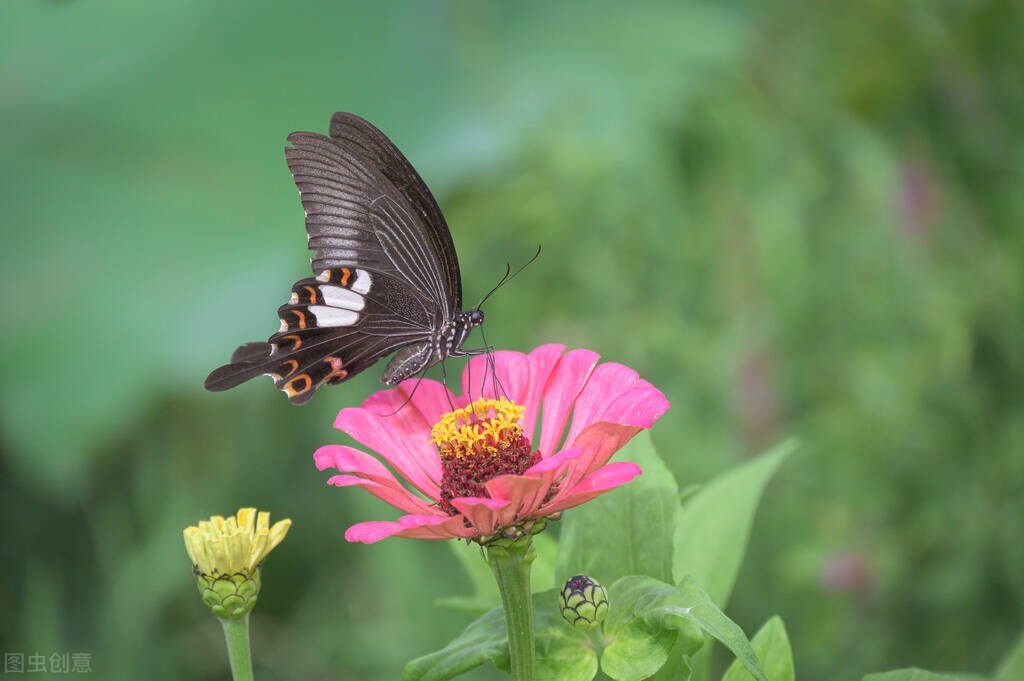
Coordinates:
386	276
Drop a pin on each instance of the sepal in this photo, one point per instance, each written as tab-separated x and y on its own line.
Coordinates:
229	596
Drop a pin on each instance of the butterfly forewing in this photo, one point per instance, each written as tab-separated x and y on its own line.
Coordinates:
357	217
356	133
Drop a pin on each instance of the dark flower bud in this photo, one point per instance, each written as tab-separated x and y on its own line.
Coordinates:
584	602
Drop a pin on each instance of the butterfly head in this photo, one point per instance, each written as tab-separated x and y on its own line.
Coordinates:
475	317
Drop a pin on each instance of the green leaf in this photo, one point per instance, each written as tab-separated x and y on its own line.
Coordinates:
627	531
771	644
1012	666
484	639
712	528
649	619
562	652
920	675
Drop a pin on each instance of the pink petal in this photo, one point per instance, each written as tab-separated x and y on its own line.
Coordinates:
403	440
641	406
370	474
598	443
524	494
597	483
420	402
563	386
486	515
542	362
615	393
511	368
411	527
430	398
350	460
399	498
552	468
606	383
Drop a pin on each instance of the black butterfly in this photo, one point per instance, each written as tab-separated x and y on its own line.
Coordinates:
387	277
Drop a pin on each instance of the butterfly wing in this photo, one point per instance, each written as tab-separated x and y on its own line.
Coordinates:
332	327
359	134
387	273
367	207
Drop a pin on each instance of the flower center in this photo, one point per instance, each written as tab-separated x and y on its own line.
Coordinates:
478	443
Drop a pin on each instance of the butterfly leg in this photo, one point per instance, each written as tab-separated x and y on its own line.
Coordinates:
444	382
473	352
488	351
419	379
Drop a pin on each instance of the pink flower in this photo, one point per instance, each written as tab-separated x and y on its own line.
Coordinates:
475	470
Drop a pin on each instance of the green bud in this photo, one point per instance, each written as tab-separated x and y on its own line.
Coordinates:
583	602
229	596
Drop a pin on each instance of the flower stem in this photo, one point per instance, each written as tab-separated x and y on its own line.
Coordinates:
510	562
236	633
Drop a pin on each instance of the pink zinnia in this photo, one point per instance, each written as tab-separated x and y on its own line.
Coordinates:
494	467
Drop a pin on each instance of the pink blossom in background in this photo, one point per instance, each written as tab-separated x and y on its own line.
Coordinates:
509	458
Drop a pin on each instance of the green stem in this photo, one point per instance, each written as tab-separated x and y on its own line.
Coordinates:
510	562
236	633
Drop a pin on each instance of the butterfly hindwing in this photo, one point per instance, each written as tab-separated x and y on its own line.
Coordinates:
332	327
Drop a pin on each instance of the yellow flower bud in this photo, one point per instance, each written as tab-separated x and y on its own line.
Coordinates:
226	556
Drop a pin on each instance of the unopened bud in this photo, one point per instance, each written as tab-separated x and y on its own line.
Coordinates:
584	602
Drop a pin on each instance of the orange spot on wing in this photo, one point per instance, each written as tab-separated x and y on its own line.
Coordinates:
301	317
312	293
336	368
296	341
345	274
293	389
294	364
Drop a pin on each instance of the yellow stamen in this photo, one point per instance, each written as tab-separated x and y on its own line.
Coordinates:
482	426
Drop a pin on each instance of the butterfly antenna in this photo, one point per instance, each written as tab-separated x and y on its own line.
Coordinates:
508	276
505	277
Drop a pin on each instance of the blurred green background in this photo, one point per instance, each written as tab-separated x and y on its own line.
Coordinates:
793	217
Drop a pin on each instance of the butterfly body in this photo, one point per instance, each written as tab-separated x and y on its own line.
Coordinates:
447	342
386	273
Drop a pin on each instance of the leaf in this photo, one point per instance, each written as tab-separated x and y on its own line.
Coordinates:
562	652
920	675
627	531
712	529
771	644
1012	666
484	639
649	618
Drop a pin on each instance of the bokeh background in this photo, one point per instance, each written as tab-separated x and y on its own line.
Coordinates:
796	218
